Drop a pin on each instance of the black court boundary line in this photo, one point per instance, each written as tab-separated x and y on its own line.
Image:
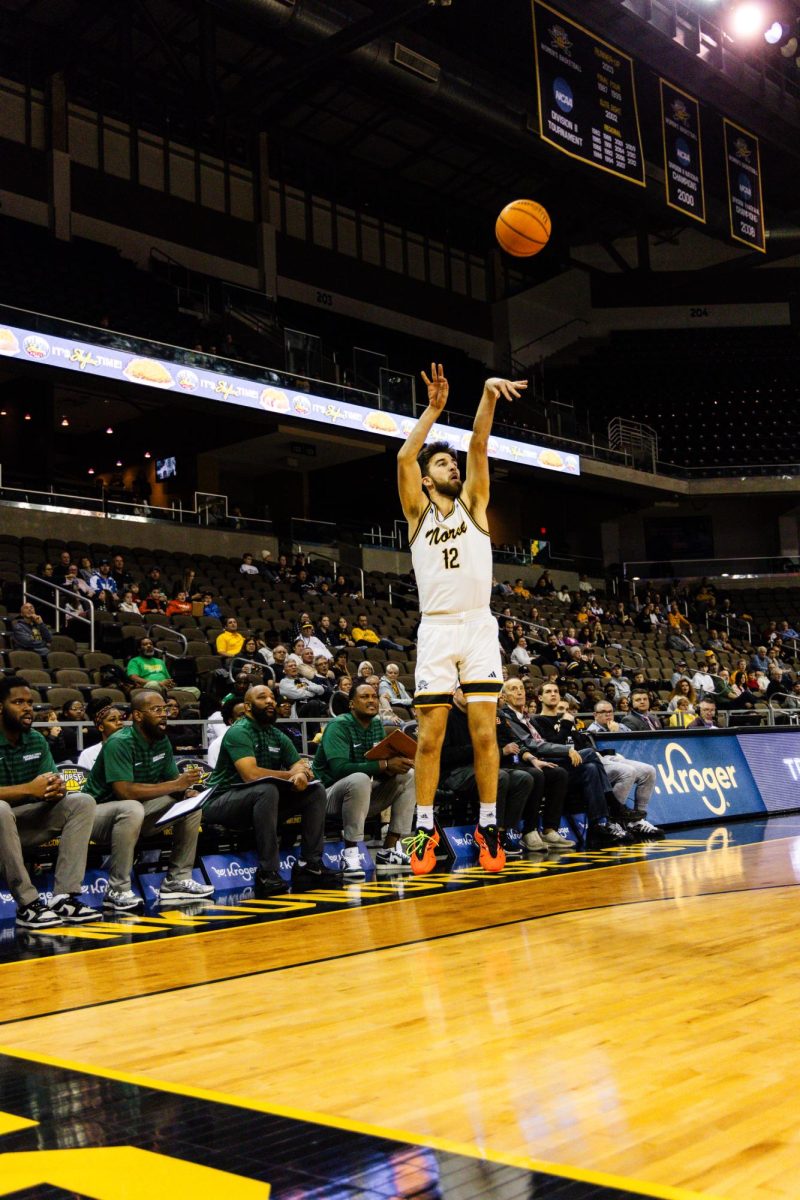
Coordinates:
185	987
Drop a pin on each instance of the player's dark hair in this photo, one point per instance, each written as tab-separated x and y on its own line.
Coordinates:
427	452
7	685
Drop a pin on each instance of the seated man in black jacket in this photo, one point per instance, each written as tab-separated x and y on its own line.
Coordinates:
588	782
550	781
457	772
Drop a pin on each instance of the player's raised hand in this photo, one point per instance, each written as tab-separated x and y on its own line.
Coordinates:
507	388
437	385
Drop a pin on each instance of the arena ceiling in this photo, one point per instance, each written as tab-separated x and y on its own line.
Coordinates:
343	120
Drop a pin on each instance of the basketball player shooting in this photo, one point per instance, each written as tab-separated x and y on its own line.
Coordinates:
451	552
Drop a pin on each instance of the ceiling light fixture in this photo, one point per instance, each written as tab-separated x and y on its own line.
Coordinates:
64	422
109	430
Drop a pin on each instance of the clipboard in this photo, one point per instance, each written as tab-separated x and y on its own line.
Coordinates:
395	743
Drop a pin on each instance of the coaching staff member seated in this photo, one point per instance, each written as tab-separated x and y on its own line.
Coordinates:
134	780
518	737
35	807
359	787
260	780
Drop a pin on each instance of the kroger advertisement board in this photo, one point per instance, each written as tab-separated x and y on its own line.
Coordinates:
108	362
699	777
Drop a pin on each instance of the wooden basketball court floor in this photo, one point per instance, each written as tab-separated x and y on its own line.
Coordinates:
588	1025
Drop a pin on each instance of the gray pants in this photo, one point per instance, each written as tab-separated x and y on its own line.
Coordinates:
37	822
121	823
359	796
261	806
627	773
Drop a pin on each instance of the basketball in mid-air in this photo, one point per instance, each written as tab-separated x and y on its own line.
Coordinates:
523	228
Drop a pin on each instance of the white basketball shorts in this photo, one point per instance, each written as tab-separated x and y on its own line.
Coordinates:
457	649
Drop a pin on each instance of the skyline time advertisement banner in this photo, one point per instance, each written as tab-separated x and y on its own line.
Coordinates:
745	199
587	96
683	151
286	399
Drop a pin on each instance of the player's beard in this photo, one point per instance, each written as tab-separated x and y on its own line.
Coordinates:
450	487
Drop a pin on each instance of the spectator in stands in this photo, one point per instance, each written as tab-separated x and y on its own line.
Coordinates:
279	656
648	620
518	738
553	740
180	605
520	656
702	681
134	781
364	670
54	736
248	567
340	665
325	635
520	589
29	632
457	772
104	585
626	775
679	629
154	604
343	635
707	711
640	719
249	658
779	682
314	643
322	667
61	568
128	604
75	710
544	585
122	578
759	660
148	669
230	642
506	637
682	688
232	710
107	719
727	694
359	787
681	672
40	588
259	781
619	682
619	616
364	635
86	569
185	739
210	606
682	715
392	694
76	583
35	806
307	697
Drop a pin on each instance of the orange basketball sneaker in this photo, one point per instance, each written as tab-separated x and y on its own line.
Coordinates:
492	856
422	845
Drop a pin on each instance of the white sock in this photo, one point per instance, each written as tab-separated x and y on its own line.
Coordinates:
488	814
425	816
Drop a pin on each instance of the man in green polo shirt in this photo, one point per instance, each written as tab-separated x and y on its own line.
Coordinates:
35	807
259	781
148	669
134	780
359	787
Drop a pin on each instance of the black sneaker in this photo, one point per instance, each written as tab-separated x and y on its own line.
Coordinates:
269	883
512	846
605	837
38	916
71	910
314	870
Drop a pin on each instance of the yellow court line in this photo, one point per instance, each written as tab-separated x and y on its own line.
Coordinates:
105	950
521	1161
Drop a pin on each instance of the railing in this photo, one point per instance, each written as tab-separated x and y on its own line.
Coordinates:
335	565
724	568
56	607
173	633
718	618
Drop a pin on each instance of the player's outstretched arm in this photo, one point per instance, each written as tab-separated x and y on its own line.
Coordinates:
409	476
476	484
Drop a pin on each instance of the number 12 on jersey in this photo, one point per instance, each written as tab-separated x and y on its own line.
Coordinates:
450	555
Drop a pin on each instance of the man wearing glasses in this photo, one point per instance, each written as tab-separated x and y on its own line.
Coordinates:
625	774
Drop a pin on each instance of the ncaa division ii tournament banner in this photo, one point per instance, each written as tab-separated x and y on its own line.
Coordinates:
745	201
587	96
683	151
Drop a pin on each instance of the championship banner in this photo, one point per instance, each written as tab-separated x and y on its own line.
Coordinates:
683	151
587	96
745	201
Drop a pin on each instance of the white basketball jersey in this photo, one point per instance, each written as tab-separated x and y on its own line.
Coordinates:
452	559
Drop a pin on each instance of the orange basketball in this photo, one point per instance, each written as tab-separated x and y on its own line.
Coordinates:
523	228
